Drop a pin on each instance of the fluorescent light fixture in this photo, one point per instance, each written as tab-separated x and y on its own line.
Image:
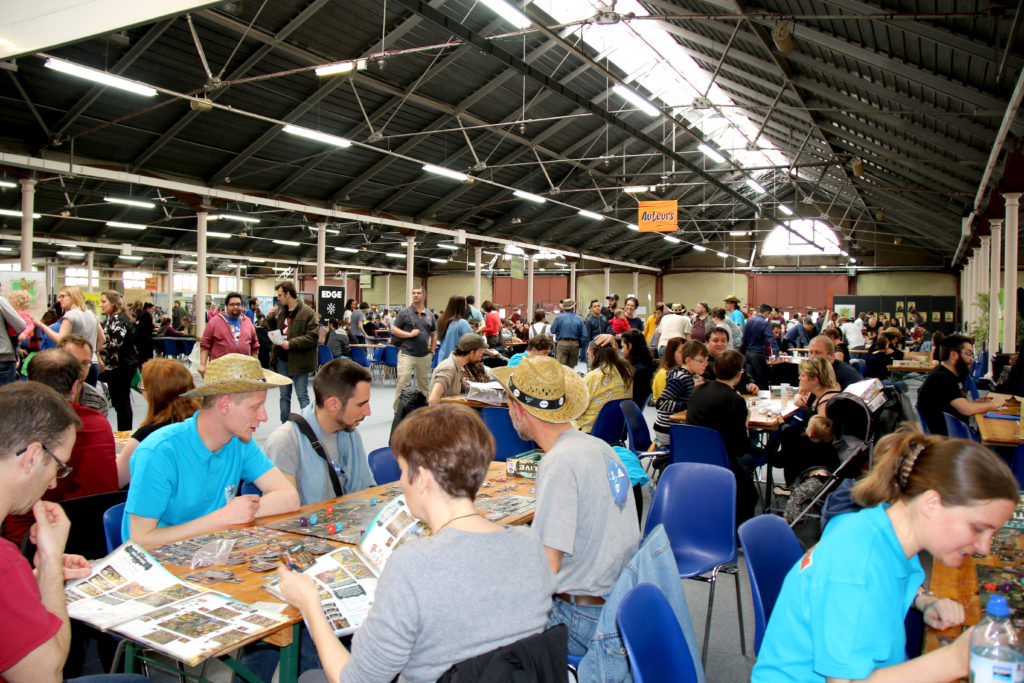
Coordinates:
279	269
5	183
741	260
347	250
844	253
670	238
738	233
785	209
213	233
318	136
130	202
754	185
6	249
341	67
698	247
535	198
633	189
16	214
126	226
73	254
393	254
723	254
98	76
453	247
287	243
508	13
439	170
633	226
439	260
591	214
513	249
257	260
187	263
129	257
771	267
711	153
331	231
853	260
232	217
639	102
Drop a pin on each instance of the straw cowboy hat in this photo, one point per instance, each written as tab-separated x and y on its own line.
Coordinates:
545	388
236	373
733	299
567	304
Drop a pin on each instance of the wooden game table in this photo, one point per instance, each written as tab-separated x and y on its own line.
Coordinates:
1001	432
757	413
923	368
250	589
471	403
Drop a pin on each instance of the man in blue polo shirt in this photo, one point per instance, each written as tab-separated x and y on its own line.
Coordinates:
185	476
570	334
757	336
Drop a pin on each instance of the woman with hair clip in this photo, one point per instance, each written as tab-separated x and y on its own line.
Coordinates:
839	616
610	378
164	380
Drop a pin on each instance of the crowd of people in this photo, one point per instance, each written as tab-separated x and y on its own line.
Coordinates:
183	467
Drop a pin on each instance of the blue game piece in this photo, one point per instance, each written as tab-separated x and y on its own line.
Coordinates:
373	501
340	526
303	521
312	519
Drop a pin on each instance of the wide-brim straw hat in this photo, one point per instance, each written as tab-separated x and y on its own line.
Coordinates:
236	373
733	299
567	304
545	388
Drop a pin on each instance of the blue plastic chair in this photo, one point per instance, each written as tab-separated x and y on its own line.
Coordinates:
955	429
771	549
861	365
924	424
384	466
636	427
689	443
359	356
654	641
323	354
509	443
112	519
248	488
610	424
1017	465
695	491
390	360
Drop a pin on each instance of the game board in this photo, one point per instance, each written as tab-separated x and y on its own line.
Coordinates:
248	542
1005	579
344	521
504	505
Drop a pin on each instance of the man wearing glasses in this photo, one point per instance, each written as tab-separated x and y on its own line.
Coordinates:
943	391
229	332
93	460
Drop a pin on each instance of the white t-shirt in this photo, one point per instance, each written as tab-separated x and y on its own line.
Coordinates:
853	334
673	325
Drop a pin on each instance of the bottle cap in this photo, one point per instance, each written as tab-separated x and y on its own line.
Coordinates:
997	606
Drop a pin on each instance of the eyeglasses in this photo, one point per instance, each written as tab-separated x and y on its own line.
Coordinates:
62	469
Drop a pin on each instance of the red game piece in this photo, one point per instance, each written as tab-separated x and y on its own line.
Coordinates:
988	586
331	529
330	509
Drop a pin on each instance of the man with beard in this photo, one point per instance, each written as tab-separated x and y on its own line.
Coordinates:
342	393
942	390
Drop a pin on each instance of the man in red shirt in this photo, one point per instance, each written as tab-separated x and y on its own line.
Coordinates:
228	332
93	459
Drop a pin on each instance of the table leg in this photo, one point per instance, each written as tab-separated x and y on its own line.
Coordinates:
288	671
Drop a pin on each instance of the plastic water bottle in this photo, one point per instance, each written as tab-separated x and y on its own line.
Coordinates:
996	646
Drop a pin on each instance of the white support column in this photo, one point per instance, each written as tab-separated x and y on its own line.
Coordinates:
478	254
981	275
321	253
636	284
1010	274
995	273
387	290
170	285
90	259
200	272
607	283
410	256
530	306
967	280
572	286
238	283
28	202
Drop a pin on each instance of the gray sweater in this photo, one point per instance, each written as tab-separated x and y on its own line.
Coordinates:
12	319
449	597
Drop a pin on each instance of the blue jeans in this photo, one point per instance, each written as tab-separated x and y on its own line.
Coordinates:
8	372
299	381
581	620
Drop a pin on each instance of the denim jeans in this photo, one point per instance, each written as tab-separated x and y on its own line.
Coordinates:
299	381
8	372
581	620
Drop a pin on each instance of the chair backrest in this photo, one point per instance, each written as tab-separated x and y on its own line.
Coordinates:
654	640
771	549
359	356
610	425
86	537
384	466
323	354
689	443
861	365
112	526
391	356
689	491
955	429
378	354
924	423
636	427
248	488
850	416
170	348
507	439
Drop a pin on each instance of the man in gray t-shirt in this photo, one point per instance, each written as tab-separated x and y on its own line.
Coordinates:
415	328
585	514
355	324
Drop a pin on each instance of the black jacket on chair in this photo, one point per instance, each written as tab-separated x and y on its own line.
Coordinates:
542	658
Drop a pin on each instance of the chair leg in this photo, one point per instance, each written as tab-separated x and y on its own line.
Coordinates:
735	571
707	621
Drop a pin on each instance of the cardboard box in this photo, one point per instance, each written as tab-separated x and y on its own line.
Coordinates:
524	465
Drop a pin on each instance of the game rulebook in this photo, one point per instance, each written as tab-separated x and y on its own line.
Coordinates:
129	593
347	577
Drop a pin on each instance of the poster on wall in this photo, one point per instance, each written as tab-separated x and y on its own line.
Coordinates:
32	283
899	307
936	316
846	310
949	316
330	301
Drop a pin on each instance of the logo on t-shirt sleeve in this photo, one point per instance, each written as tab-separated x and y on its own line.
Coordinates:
618	481
808	559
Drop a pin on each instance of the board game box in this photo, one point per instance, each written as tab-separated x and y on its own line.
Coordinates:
524	464
129	593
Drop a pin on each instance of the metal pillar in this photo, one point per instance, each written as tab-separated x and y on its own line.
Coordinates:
530	307
321	253
200	273
387	290
995	271
607	282
170	285
572	286
410	255
478	253
28	201
1010	274
90	260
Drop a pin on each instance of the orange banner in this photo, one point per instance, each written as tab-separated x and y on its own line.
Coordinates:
660	216
152	283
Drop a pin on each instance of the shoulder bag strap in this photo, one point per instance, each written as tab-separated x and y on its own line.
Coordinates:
307	432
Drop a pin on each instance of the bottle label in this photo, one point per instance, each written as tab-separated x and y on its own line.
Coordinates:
987	670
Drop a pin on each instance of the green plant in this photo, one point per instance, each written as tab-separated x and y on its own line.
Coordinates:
980	329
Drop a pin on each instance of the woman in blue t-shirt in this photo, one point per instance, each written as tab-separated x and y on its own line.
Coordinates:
839	616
